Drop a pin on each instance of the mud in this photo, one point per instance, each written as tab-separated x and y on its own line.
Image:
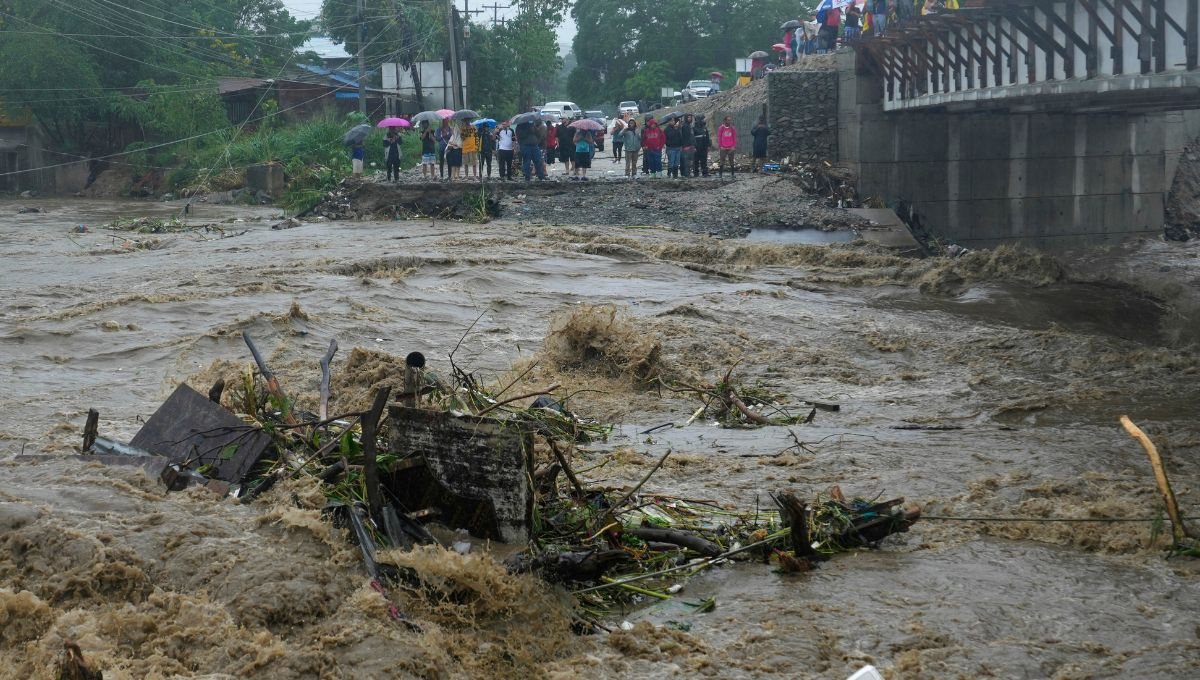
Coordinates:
1032	357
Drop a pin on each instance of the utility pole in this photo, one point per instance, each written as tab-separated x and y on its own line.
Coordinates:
455	78
362	60
496	12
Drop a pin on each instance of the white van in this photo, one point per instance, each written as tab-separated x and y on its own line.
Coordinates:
563	109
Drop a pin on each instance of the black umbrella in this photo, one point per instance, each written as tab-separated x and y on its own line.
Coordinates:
670	117
794	23
465	114
531	117
356	134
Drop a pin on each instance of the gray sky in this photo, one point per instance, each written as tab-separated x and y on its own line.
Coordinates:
309	9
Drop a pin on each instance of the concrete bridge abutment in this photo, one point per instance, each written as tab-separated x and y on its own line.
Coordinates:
1048	178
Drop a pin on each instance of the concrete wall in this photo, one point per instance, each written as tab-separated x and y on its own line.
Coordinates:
803	108
985	178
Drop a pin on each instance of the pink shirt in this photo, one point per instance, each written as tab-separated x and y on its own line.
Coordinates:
726	137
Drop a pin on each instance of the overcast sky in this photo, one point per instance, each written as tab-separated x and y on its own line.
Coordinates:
309	9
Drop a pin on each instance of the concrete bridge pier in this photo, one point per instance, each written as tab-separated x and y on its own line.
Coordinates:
1047	176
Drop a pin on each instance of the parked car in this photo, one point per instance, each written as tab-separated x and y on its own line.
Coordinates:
597	116
699	89
628	107
563	109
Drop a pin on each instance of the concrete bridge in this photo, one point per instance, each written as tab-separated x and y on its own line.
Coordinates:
1047	121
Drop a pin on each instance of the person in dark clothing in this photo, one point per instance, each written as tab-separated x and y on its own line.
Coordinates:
566	145
759	133
530	151
688	155
539	131
674	147
703	143
487	144
443	137
391	148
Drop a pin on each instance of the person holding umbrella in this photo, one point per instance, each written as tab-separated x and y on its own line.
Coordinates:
584	144
391	154
470	149
487	145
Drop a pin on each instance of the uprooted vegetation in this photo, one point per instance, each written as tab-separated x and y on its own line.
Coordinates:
600	339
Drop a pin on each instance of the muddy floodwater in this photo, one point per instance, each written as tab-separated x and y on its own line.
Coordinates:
983	386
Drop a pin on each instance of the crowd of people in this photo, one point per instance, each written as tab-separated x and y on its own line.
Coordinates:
678	147
821	33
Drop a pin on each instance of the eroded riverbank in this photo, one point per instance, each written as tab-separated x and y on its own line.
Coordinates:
1030	356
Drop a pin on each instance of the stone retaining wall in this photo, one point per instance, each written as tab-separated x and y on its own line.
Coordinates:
803	109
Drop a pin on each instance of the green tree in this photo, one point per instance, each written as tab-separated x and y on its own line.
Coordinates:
617	40
649	80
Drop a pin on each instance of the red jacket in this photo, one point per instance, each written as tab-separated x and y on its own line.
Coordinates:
726	137
653	138
552	138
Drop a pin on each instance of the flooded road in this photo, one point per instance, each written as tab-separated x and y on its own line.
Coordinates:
1031	361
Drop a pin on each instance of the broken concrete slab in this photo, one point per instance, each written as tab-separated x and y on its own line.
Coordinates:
887	229
477	471
194	432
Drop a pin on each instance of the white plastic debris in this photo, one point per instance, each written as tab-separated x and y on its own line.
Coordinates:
866	673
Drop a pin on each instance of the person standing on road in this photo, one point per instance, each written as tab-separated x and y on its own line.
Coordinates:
428	151
726	143
585	146
470	149
759	133
504	144
703	142
487	145
443	137
454	153
653	141
632	143
391	154
551	144
674	147
688	155
618	139
527	141
566	144
540	133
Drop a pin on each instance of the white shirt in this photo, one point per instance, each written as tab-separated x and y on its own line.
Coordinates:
506	140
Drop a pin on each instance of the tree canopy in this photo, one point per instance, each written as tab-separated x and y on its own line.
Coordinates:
619	41
71	63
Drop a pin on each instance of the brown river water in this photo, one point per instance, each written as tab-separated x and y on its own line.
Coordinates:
1033	357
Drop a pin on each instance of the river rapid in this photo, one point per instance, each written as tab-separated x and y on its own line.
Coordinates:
1018	363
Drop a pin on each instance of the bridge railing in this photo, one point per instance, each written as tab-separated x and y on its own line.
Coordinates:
1004	43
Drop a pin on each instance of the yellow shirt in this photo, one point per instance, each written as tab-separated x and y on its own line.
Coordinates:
470	142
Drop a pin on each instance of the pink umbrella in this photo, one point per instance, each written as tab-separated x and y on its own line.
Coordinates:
445	113
779	47
393	122
586	124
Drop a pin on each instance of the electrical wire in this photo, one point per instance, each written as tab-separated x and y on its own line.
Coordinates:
189	138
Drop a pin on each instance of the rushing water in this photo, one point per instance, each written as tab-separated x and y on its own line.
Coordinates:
1035	377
